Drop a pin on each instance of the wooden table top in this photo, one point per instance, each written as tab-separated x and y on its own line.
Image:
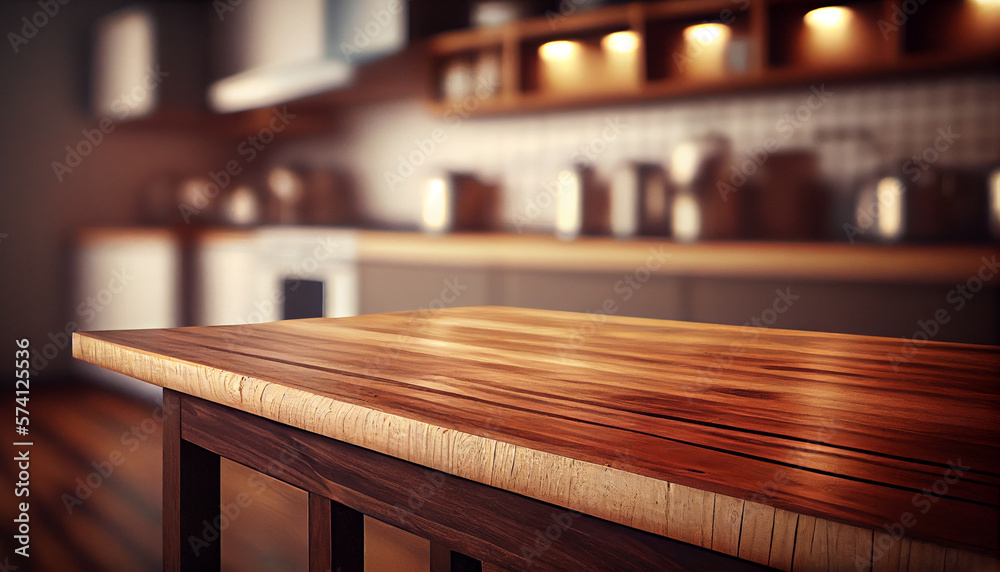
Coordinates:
600	413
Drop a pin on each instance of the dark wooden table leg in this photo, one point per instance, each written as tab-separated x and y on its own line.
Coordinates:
444	559
192	524
336	536
320	534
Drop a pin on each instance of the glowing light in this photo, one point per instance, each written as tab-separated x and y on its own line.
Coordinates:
569	209
708	44
707	34
686	218
559	50
995	202
437	207
684	163
827	17
621	42
991	3
889	194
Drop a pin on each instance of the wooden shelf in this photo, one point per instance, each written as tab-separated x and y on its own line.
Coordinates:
769	45
806	261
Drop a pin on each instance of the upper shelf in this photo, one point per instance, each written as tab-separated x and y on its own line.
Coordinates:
679	48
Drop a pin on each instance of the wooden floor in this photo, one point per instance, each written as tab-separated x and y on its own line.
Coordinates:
89	515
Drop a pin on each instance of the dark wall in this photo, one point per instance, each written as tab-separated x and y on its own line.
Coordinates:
43	108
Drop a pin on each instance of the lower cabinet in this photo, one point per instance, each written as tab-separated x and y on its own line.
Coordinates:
398	288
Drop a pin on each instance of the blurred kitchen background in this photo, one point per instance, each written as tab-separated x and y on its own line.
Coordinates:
780	163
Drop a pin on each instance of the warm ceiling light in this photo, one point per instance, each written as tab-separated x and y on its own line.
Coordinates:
621	42
558	50
706	34
987	2
827	17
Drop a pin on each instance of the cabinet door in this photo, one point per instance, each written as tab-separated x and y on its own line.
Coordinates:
126	279
225	282
387	288
893	310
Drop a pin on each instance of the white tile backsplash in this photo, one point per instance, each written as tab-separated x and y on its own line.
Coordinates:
525	151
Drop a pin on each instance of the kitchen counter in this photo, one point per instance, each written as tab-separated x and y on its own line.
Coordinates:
813	261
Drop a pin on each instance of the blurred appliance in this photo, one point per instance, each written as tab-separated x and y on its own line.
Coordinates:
933	204
270	52
787	199
879	214
582	204
702	208
459	202
274	273
310	196
640	201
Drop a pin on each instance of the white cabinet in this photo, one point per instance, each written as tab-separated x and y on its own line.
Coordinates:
126	279
273	273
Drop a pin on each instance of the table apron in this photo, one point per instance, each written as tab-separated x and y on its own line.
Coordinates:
492	525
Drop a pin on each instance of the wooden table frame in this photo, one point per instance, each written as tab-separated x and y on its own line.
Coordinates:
471	526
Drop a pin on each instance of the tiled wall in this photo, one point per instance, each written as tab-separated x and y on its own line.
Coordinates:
524	152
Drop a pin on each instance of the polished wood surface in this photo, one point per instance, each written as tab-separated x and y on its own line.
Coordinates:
786	448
